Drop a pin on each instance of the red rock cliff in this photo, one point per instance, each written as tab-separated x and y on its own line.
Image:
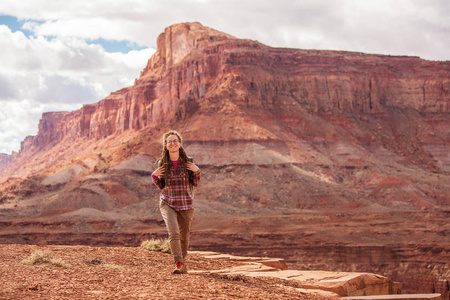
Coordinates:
6	159
193	63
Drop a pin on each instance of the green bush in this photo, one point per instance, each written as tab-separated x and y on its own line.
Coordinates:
156	245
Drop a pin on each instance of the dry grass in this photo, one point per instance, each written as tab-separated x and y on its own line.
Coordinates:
156	245
45	258
98	261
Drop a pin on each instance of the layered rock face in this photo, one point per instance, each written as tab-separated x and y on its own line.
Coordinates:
275	132
195	65
5	159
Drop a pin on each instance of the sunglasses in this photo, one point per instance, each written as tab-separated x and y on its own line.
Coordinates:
168	142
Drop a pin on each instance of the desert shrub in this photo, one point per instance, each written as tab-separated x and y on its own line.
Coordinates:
98	261
44	258
93	261
156	245
112	266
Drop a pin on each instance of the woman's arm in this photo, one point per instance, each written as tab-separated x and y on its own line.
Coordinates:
194	178
158	178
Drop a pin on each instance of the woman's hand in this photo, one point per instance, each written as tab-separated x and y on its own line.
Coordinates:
192	167
159	172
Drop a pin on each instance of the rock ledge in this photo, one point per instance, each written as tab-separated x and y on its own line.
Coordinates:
351	285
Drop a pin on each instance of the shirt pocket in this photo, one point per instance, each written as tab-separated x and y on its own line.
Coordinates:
177	184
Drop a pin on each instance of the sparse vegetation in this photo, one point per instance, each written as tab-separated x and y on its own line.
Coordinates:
98	261
93	261
44	257
156	245
112	266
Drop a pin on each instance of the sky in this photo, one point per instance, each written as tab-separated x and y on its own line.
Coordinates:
57	55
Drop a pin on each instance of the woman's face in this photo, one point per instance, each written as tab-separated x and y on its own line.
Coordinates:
173	143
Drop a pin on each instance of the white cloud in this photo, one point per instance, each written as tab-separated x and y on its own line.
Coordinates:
65	65
375	26
39	75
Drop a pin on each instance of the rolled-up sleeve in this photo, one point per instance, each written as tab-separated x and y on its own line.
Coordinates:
160	183
194	178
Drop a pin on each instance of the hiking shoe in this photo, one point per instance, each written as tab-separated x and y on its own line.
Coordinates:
179	268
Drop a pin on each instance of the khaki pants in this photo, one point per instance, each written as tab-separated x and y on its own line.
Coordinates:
178	224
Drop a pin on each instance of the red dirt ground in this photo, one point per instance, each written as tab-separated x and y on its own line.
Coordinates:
125	273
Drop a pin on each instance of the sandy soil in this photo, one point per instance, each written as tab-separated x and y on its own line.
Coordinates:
125	273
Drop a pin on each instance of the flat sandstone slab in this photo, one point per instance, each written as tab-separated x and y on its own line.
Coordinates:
340	283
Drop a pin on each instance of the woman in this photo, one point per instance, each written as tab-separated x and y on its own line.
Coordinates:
176	176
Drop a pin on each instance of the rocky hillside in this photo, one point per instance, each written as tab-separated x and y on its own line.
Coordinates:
316	135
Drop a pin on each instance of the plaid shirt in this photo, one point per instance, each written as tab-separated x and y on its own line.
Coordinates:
177	193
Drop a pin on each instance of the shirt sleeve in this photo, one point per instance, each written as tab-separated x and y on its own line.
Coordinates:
194	178
160	183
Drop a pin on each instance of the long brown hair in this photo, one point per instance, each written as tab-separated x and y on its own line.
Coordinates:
165	158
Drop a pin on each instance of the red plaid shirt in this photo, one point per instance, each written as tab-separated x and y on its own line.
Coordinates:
176	193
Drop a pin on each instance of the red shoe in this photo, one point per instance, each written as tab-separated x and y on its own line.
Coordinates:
179	268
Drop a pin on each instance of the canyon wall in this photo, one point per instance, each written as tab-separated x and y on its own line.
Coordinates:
196	67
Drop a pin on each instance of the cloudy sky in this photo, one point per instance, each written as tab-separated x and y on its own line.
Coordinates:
57	55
